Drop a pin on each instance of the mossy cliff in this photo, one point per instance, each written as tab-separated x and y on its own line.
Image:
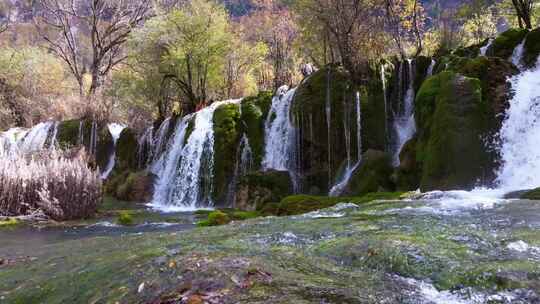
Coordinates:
503	46
68	136
452	118
227	133
254	113
321	144
259	188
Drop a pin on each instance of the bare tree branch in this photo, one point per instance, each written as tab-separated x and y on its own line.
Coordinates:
63	24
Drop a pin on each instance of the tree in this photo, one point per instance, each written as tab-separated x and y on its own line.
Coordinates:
353	28
108	22
405	20
274	25
524	10
185	50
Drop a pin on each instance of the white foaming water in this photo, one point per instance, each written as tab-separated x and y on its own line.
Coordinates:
520	134
484	49
431	67
450	202
115	130
404	124
9	140
185	180
517	55
338	188
279	133
36	138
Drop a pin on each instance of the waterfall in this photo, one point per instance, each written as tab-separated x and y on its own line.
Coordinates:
430	68
338	188
145	143
279	134
80	137
485	48
383	81
404	123
520	134
93	139
517	54
328	112
185	179
37	137
115	130
244	164
9	140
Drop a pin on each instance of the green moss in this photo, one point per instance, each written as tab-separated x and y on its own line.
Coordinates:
126	151
503	46
68	133
130	186
452	116
125	218
215	218
226	137
532	194
532	48
373	175
322	146
254	112
9	223
299	204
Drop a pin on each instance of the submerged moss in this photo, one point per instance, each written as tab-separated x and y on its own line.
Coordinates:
9	223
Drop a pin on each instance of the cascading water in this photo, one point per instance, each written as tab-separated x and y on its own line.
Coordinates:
328	112
93	139
520	134
9	140
484	49
429	72
404	123
385	98
517	55
115	130
279	134
244	164
37	137
338	188
185	179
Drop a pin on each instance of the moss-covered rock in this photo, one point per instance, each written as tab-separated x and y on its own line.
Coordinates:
503	46
532	48
257	189
131	186
254	112
407	176
126	152
125	218
531	194
373	174
327	92
452	117
227	132
215	218
300	204
75	132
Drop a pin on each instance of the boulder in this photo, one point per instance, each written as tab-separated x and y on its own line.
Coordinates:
532	48
259	188
452	119
503	46
373	175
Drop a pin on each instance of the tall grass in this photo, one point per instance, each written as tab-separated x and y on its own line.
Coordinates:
57	184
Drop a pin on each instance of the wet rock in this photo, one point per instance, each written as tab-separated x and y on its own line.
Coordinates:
256	190
373	175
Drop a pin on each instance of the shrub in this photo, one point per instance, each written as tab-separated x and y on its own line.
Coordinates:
125	218
49	183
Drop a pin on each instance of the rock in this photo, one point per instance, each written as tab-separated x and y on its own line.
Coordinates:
452	117
257	189
373	175
254	112
322	147
503	46
195	299
131	186
532	48
227	132
407	176
533	194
